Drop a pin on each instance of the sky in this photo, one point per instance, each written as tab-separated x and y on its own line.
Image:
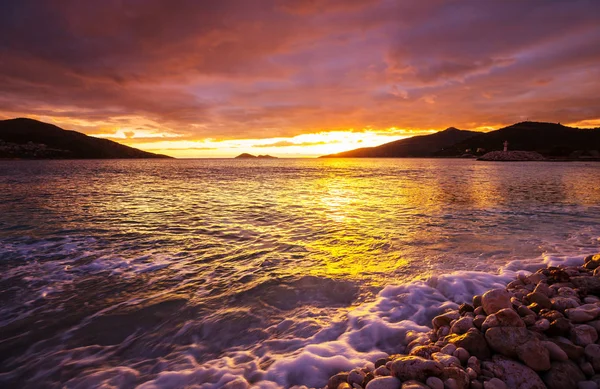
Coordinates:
296	78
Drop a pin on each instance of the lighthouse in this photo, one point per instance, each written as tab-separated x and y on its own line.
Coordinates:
505	146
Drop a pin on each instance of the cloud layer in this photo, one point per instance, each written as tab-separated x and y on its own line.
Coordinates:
237	69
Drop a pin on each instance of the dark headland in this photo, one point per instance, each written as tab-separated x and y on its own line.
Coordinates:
250	156
31	139
551	140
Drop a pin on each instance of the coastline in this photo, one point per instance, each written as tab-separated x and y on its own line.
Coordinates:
539	332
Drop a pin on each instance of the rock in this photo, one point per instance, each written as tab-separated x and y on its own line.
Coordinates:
444	319
479	320
356	376
458	375
476	385
534	355
562	303
414	385
544	289
448	349
383	371
479	311
336	380
445	359
583	334
495	300
589	284
573	352
381	362
477	301
474	342
587	385
515	375
462	325
384	383
592	353
552	315
592	262
583	313
560	327
462	355
472	374
591	299
435	383
507	318
556	353
474	364
344	385
494	383
408	368
524	311
587	368
542	325
563	375
424	351
529	320
539	298
464	308
451	383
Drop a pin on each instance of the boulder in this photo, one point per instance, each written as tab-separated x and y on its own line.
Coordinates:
514	374
384	383
462	325
534	355
589	284
473	341
541	299
563	375
495	300
561	303
583	313
458	375
573	352
583	334
556	353
518	342
408	368
503	318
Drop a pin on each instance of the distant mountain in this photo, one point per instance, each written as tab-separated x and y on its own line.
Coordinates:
548	139
32	139
250	156
417	146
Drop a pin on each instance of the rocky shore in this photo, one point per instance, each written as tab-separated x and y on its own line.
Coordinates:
512	156
540	332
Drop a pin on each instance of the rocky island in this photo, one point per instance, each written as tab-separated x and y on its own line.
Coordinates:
540	332
512	156
250	156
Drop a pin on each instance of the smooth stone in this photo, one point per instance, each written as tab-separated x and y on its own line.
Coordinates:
344	385
462	325
534	355
462	355
424	351
524	311
448	349
541	299
382	371
464	308
476	385
336	380
556	353
574	352
458	375
583	313
479	320
408	368
477	301
479	311
451	383
474	364
384	383
589	284
592	353
583	334
356	376
587	368
518	342
529	320
435	383
563	375
381	362
472	373
544	289
444	319
508	318
514	374
474	342
560	327
445	359
414	385
563	303
495	300
494	383
542	325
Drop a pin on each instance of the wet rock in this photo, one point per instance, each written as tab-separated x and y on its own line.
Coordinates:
344	385
556	353
474	342
336	380
563	303
583	313
382	371
573	352
477	301
384	383
544	289
563	375
458	375
464	308
415	368
462	325
451	383
524	311
592	353
381	362
586	368
448	349
444	319
462	355
529	320
495	300
435	383
552	315
494	383
560	327
542	325
504	340
445	359
539	298
583	334
514	374
479	320
474	364
356	376
534	355
424	351
504	318
476	385
590	285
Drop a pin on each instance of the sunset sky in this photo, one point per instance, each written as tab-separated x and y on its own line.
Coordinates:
216	78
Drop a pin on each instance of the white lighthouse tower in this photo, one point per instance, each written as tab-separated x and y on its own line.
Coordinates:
505	146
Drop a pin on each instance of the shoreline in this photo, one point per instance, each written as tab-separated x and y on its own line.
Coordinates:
539	332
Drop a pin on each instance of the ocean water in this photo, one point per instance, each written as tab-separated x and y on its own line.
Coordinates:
261	273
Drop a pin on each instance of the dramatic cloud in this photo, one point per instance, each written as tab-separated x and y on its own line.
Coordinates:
215	70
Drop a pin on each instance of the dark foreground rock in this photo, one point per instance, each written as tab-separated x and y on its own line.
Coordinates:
540	332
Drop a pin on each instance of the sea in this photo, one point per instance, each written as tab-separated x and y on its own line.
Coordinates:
225	273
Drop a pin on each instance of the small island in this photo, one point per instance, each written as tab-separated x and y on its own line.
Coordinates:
250	156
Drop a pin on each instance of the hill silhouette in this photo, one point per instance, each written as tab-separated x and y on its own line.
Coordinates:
417	146
549	139
250	156
32	139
